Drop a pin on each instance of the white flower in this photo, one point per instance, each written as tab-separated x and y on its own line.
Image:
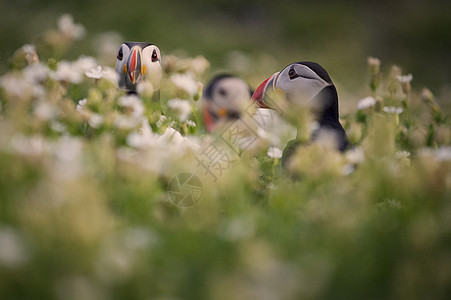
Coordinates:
199	65
170	142
84	63
366	103
68	149
67	27
393	110
190	123
35	145
274	152
127	101
134	103
110	74
72	72
95	120
181	108
173	138
275	130
185	82
404	78
374	64
67	72
402	154
12	248
161	121
127	122
355	156
44	110
441	154
81	104
30	54
144	138
158	153
29	49
36	73
57	126
18	87
95	72
145	88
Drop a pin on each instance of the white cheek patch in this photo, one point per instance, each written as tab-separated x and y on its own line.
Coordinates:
302	88
153	72
231	94
120	66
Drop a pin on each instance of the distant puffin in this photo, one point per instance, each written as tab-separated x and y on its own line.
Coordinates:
307	83
224	99
138	61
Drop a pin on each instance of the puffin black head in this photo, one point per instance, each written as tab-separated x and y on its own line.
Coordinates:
138	61
142	45
224	98
306	83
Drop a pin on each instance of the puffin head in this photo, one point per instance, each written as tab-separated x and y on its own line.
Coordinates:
224	98
303	83
306	84
138	61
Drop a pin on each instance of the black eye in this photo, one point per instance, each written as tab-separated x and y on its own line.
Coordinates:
222	92
120	55
292	73
154	56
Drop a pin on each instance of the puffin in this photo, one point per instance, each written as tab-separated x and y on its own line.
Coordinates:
306	83
138	61
224	99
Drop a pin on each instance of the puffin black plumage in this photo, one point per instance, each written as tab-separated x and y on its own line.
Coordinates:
138	61
224	99
308	83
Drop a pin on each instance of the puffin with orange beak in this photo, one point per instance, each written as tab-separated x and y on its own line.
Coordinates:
224	99
137	61
307	83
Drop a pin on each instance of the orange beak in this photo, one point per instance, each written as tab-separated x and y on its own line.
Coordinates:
134	63
208	120
260	92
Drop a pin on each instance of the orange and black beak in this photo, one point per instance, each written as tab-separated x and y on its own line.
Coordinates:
212	118
208	120
259	95
134	65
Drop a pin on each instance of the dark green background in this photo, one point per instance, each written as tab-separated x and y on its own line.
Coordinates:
340	35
